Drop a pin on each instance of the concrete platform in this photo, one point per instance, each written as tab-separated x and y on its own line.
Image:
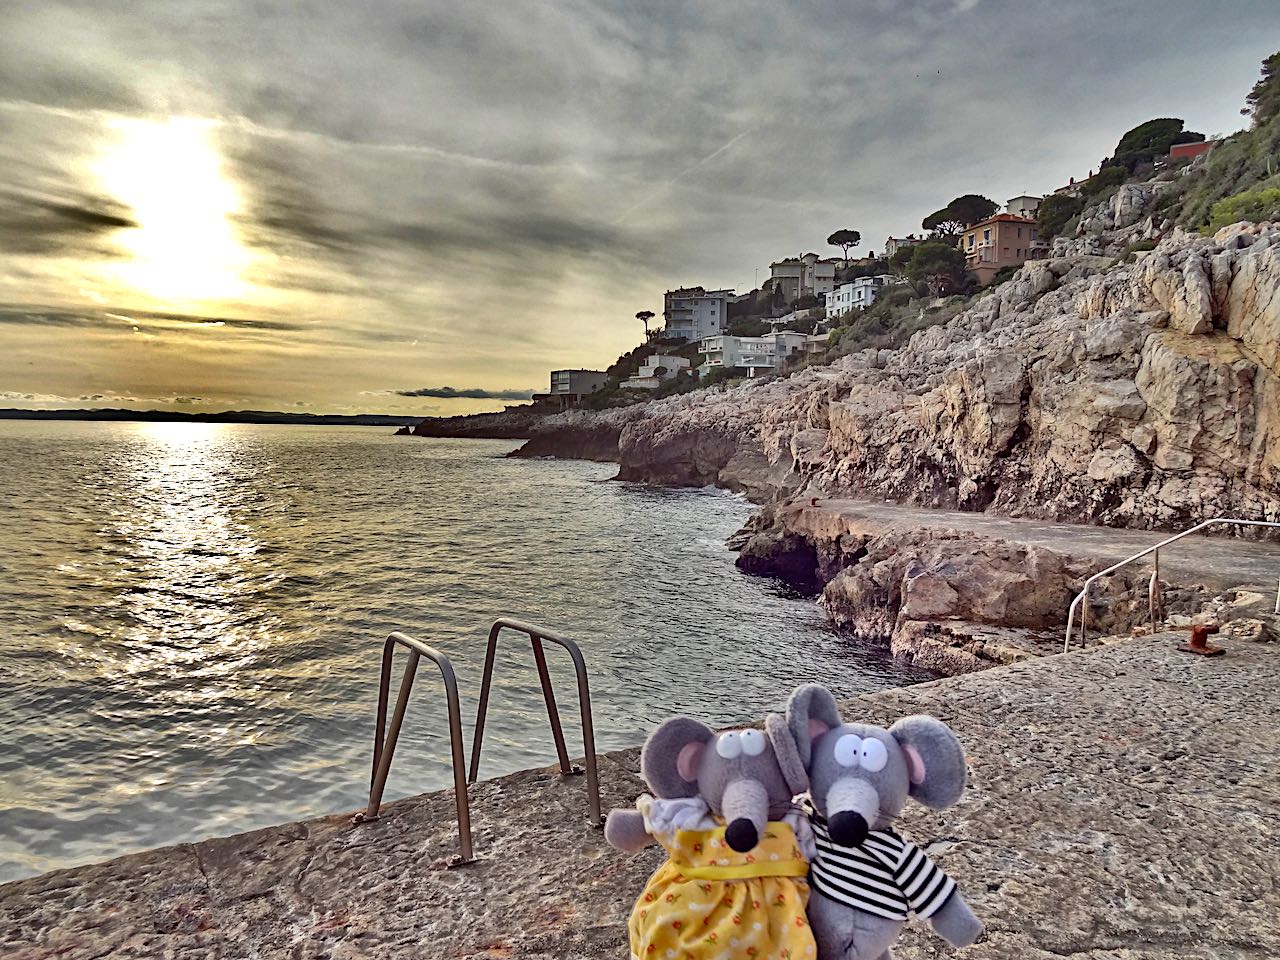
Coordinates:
1125	804
1220	561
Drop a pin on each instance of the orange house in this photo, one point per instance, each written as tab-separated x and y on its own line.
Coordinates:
1001	241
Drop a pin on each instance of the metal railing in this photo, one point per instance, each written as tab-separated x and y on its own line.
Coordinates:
1153	591
536	635
384	749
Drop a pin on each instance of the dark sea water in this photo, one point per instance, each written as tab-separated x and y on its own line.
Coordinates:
191	617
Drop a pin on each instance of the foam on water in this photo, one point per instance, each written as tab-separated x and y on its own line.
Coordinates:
190	620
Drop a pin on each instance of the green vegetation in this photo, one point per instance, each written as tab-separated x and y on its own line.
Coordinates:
1252	205
1054	212
721	375
1149	140
873	267
938	268
1102	182
1263	102
890	322
1246	162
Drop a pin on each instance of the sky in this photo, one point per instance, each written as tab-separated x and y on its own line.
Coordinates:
423	208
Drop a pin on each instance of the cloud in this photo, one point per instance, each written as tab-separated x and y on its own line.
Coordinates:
467	193
468	393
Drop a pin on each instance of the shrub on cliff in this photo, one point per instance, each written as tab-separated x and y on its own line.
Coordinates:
1147	141
1054	212
1246	161
1252	205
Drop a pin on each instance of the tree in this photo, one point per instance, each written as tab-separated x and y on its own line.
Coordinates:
644	316
958	214
901	257
844	239
1054	212
1149	140
1263	101
942	224
937	267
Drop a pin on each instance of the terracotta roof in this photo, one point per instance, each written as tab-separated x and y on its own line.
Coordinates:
1000	218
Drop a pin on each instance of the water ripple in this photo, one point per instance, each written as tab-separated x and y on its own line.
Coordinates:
190	619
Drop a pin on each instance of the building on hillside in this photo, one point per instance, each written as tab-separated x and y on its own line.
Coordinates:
858	293
805	274
817	342
1074	186
894	244
755	355
656	369
568	387
694	313
998	242
1189	151
1024	206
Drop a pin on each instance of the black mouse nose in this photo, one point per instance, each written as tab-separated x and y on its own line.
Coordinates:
741	835
848	829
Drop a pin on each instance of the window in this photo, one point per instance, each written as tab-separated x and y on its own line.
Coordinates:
971	241
986	234
1019	231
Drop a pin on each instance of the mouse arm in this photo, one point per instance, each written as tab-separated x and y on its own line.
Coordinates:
625	830
955	923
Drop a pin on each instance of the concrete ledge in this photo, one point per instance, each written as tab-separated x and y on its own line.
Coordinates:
1125	804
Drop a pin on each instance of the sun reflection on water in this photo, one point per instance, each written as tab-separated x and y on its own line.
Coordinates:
185	594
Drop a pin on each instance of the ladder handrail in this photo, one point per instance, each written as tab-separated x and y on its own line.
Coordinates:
536	635
1082	595
383	751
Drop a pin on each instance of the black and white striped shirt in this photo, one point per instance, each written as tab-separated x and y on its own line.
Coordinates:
886	876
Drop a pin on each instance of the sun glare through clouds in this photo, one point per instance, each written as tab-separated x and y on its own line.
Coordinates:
185	247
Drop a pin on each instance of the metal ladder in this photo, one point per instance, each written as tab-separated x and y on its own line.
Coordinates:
1154	603
385	738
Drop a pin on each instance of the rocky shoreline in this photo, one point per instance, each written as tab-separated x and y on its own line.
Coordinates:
1138	392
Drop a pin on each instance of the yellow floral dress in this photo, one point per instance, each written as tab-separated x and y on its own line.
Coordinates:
709	901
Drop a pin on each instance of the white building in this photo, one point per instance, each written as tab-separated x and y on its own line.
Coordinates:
894	244
656	369
855	294
1023	207
568	387
694	313
754	354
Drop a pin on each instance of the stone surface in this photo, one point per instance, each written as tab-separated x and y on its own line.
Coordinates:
1125	803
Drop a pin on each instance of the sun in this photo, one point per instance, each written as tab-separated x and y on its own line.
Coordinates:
169	173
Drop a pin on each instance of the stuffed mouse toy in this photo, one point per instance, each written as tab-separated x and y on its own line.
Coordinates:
865	878
733	884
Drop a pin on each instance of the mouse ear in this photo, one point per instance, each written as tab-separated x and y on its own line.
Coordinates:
935	760
811	712
787	753
670	757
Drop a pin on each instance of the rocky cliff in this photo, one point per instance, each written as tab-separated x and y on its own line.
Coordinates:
1141	393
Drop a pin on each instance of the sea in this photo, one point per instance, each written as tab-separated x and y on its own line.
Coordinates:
192	618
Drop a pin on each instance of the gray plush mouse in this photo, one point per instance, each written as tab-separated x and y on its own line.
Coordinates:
865	878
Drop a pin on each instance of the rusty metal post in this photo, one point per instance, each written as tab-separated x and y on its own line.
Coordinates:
384	747
536	635
553	712
1199	643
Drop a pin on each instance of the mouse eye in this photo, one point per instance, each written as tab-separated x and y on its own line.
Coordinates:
874	756
729	745
752	742
849	750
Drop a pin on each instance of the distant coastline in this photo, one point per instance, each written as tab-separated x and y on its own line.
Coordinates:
229	416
